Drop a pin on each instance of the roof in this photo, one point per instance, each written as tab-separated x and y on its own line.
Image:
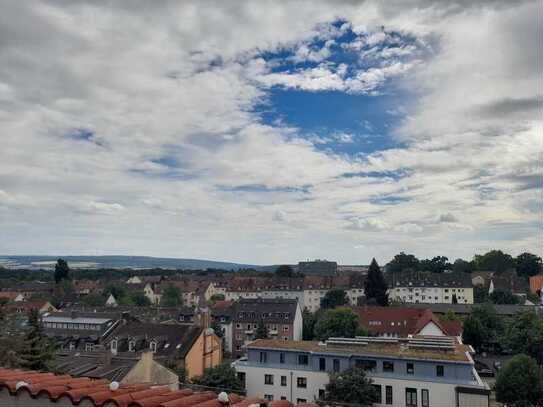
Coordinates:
171	339
401	321
68	390
460	353
501	309
272	310
426	279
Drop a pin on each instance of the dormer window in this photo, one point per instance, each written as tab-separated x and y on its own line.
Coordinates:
153	346
132	346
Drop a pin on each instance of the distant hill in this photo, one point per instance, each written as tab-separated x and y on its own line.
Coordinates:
134	262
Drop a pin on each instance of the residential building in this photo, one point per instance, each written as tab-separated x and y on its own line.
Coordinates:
189	347
24	307
432	288
402	322
414	372
318	268
282	317
536	282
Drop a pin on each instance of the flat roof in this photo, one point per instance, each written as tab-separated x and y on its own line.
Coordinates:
382	350
76	320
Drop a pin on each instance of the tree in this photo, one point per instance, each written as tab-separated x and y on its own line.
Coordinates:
37	351
483	327
216	297
500	296
309	321
94	300
462	266
449	316
480	294
375	286
520	383
436	265
528	264
525	335
351	386
494	260
284	271
261	330
171	296
339	322
402	262
222	377
219	331
139	299
334	298
62	271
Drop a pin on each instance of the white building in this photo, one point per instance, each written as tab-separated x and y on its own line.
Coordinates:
437	372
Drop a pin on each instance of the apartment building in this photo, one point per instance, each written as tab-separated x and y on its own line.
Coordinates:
432	288
415	372
282	317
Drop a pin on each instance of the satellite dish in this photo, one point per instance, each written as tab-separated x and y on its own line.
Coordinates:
114	386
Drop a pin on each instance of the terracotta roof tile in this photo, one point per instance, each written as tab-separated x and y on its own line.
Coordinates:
98	393
280	403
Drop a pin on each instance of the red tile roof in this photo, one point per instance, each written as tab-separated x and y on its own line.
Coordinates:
98	393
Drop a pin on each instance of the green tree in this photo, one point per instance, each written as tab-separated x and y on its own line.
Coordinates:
171	296
309	320
500	296
334	298
462	266
37	351
402	262
217	328
261	330
494	260
525	335
480	294
339	322
483	327
520	383
284	271
450	316
62	271
437	264
528	264
375	286
222	377
351	386
118	291
139	299
94	300
216	297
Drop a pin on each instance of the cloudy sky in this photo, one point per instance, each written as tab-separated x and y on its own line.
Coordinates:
269	132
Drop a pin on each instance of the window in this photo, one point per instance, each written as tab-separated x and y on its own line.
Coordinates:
388	367
283	397
152	346
425	398
88	347
238	326
113	345
303	359
322	364
410	397
285	328
301	382
268	397
377	388
367	365
248	327
322	394
263	357
410	368
440	370
388	395
281	357
283	380
268	379
299	401
132	346
335	366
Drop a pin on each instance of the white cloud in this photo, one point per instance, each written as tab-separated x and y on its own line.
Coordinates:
167	95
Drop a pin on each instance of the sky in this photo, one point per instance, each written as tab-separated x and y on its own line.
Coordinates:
271	132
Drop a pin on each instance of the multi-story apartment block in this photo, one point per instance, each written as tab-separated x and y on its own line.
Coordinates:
416	372
432	288
318	268
282	317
